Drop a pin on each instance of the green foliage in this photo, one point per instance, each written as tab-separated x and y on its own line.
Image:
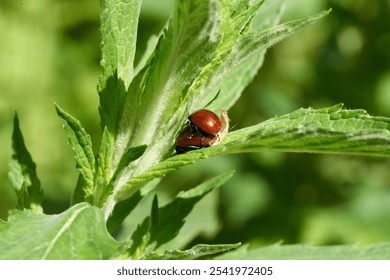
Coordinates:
82	147
197	252
202	44
23	175
307	252
331	130
119	21
164	224
206	47
78	233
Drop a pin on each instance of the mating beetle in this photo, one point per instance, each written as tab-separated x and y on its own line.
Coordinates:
205	129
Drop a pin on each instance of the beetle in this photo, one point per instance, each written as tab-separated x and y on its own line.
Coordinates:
189	140
204	129
205	121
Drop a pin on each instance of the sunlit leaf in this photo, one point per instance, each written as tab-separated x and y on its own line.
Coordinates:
331	130
82	147
119	23
78	233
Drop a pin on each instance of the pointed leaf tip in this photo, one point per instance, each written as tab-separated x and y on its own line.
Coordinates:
82	146
22	172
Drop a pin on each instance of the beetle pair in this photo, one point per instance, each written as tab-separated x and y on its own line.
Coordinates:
204	129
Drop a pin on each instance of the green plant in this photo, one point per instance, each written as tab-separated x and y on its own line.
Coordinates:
207	46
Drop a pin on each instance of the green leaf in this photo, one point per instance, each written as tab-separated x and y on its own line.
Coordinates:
22	174
150	235
78	233
200	251
78	195
205	42
104	191
249	46
105	176
104	168
268	15
328	130
240	50
119	22
121	210
307	252
154	214
162	169
233	84
129	156
105	158
150	113
125	207
82	148
150	47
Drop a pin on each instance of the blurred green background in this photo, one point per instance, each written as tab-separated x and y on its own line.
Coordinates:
49	53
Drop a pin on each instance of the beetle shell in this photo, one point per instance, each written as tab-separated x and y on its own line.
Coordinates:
206	121
190	140
204	130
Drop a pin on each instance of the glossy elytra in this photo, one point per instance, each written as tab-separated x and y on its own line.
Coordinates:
205	129
192	140
205	121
